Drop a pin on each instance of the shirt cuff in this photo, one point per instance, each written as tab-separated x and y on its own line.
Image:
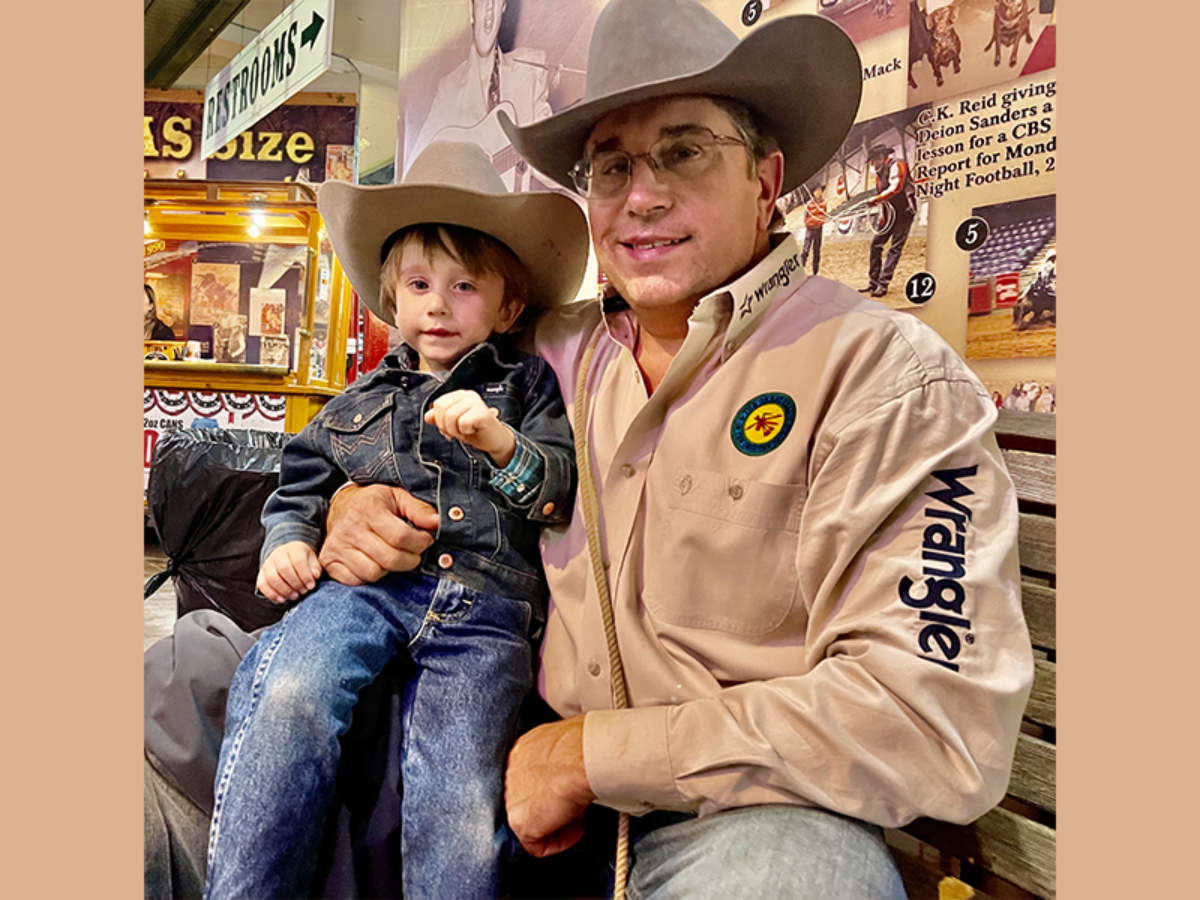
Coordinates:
627	760
521	479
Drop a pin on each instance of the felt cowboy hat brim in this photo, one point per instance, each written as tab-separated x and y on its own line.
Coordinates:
454	183
800	76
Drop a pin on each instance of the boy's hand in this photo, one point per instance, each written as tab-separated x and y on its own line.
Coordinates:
462	415
291	570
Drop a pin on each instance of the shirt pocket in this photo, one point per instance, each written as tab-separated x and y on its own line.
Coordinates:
728	561
361	441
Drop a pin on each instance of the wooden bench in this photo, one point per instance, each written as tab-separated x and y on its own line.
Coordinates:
1010	851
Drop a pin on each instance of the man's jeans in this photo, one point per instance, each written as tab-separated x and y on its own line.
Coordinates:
881	270
761	852
754	853
293	694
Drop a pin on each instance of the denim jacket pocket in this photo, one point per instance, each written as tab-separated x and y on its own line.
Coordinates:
361	441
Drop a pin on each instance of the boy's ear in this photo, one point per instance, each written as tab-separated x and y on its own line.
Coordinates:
510	311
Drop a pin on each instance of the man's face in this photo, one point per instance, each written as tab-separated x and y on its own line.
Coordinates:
485	24
665	245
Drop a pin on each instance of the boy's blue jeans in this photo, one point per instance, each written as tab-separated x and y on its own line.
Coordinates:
292	697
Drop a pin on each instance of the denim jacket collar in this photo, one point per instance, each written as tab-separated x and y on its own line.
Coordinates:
496	354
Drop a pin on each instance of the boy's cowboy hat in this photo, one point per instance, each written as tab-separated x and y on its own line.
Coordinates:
800	75
454	183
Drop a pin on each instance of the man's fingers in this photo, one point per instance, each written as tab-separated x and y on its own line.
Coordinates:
350	565
420	514
563	839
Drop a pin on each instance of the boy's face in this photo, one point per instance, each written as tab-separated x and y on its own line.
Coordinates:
442	310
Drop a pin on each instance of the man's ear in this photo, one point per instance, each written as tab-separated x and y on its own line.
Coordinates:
770	182
510	311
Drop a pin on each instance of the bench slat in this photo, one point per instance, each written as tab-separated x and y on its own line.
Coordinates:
1015	848
1039	603
1036	539
1033	474
1041	705
1040	426
1033	775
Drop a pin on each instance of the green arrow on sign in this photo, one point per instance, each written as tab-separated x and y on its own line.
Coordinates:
309	34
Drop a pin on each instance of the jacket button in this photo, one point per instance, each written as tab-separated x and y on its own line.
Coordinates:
547	509
358	418
456	513
627	470
594	668
736	491
445	560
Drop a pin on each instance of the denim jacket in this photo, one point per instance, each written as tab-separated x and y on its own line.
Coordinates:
375	433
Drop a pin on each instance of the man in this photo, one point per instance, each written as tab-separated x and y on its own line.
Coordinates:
466	101
804	522
894	189
814	224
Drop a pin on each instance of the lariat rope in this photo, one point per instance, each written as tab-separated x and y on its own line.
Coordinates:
591	517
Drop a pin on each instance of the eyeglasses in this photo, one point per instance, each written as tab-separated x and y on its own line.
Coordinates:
682	157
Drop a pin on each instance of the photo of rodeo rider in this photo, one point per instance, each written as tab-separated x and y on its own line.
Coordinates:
894	189
1040	298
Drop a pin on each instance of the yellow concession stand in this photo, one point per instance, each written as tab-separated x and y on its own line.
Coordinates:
257	307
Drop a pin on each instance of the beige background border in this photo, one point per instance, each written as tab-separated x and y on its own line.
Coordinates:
71	667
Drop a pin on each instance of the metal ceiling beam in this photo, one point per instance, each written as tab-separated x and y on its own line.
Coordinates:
176	33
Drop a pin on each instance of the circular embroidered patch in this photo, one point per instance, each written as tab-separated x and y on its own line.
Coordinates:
762	424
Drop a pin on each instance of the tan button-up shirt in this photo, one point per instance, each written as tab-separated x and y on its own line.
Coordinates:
810	542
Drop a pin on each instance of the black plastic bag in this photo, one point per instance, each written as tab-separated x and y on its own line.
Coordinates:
206	491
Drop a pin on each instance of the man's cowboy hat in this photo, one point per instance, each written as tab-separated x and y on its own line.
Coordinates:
800	75
454	183
879	150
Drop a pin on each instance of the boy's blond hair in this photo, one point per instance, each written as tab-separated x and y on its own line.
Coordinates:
479	254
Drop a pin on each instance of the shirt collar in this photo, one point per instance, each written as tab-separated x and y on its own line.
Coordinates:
750	295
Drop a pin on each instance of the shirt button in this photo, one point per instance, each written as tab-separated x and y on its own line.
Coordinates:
730	346
456	513
445	560
594	668
358	418
627	470
736	491
547	509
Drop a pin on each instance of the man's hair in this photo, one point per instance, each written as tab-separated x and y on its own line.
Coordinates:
758	144
479	254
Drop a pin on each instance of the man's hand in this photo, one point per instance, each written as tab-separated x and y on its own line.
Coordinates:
374	529
546	790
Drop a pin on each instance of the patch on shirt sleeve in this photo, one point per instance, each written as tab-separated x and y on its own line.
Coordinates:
763	423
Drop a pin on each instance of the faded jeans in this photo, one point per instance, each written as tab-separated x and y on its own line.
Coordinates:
292	697
773	852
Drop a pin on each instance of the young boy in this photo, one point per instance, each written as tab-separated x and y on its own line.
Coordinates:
465	422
